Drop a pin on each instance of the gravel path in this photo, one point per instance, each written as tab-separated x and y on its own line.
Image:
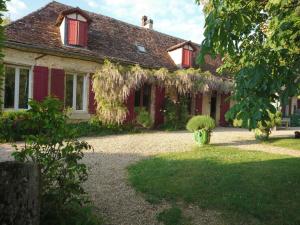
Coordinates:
108	185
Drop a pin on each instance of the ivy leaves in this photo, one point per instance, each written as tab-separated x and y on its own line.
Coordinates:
260	44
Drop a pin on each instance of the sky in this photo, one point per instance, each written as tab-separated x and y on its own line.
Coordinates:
180	18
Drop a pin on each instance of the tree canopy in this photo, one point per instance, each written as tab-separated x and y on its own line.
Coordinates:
260	44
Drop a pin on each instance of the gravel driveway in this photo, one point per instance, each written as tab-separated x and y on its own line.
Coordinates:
108	185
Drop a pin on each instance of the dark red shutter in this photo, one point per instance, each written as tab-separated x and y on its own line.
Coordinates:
83	33
92	101
72	32
198	103
58	84
130	106
224	107
40	83
186	58
159	105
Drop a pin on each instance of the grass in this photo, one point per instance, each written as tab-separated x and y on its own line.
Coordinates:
290	143
172	216
244	185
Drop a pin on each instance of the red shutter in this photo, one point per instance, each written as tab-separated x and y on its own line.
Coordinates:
186	58
58	83
40	83
130	106
224	107
159	105
83	33
198	104
92	101
72	32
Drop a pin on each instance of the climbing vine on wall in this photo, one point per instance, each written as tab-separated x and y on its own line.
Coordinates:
112	84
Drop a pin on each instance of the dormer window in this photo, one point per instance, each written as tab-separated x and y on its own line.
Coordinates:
183	54
74	27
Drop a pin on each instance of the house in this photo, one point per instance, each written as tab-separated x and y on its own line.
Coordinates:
56	49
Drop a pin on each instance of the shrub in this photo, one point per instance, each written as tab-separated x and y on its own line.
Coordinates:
58	154
201	122
14	126
263	130
176	113
94	127
144	118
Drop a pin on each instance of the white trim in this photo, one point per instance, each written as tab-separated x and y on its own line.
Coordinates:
84	92
74	92
17	86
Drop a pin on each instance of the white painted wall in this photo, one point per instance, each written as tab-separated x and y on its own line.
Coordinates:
62	29
176	56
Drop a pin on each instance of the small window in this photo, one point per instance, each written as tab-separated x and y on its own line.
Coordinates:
16	88
75	97
187	58
141	48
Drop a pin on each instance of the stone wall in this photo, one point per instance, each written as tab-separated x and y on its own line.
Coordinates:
19	194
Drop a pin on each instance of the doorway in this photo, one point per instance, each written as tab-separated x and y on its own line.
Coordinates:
213	106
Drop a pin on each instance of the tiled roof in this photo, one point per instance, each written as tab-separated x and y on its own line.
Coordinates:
107	38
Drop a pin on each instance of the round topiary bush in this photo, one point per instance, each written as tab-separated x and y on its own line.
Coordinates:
202	127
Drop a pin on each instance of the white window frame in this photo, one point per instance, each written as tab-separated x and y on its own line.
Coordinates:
84	94
17	87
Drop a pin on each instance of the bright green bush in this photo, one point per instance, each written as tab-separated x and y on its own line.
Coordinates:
144	118
59	156
201	122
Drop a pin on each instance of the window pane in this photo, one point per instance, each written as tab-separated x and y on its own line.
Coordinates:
23	91
69	91
79	93
9	90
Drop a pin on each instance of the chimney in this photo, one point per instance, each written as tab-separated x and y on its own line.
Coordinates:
147	23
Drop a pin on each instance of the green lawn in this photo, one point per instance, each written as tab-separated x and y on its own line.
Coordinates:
244	185
291	143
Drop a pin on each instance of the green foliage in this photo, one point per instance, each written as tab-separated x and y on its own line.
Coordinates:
260	43
2	10
171	216
73	214
263	130
176	113
201	122
14	126
59	157
143	118
237	123
94	127
246	187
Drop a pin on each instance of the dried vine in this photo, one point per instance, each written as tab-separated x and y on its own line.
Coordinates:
113	83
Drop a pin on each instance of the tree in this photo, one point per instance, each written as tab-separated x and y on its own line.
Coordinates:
2	10
260	43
